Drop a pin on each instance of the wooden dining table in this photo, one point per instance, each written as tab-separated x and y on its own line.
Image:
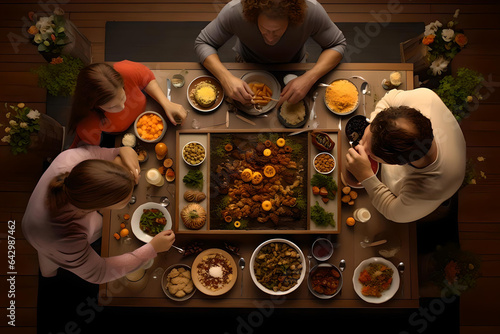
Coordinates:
346	242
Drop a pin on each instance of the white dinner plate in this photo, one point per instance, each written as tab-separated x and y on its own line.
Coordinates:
136	218
387	294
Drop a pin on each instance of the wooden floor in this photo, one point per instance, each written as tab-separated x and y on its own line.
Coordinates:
479	224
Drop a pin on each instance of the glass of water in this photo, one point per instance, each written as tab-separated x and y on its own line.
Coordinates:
178	79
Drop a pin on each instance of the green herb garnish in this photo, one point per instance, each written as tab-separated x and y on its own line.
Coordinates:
321	217
194	179
327	181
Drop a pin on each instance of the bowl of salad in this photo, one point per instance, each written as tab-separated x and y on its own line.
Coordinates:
149	219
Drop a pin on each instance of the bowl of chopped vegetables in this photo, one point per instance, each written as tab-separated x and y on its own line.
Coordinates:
267	269
150	127
375	280
149	219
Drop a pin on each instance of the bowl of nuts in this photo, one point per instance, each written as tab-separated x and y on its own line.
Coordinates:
193	153
324	163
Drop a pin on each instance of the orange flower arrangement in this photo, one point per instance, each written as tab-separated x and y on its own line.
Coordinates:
461	40
428	39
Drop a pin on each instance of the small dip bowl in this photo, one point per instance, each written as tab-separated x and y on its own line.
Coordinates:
322	249
194	158
323	163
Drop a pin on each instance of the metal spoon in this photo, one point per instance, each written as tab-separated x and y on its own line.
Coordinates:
365	89
241	263
164	201
401	269
133	199
180	250
342	265
313	113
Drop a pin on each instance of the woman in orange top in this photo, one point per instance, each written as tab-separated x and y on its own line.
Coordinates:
109	99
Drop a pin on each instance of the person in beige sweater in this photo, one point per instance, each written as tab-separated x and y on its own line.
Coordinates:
422	151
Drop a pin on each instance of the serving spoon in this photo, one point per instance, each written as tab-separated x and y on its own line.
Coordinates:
365	89
241	264
401	269
342	265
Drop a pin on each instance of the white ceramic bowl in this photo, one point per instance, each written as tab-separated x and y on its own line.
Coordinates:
327	172
270	81
190	164
164	283
252	267
162	133
387	294
136	218
348	112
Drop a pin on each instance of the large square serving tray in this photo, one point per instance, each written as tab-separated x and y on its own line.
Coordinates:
210	138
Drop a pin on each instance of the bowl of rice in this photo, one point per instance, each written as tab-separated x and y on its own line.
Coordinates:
293	115
342	97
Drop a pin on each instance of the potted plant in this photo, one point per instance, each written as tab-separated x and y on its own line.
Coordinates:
28	129
59	76
458	92
454	270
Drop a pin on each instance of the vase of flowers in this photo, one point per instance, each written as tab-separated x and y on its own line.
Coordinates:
48	33
443	43
28	129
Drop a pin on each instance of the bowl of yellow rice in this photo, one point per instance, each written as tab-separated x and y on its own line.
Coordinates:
342	97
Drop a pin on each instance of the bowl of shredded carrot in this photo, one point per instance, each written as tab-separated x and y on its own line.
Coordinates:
342	97
150	127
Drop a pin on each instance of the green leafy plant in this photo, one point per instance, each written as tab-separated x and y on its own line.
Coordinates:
23	121
193	179
321	217
457	92
456	270
59	77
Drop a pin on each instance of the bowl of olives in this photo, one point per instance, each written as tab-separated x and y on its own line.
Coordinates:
193	153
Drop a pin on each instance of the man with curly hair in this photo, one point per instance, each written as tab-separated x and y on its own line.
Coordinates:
271	31
421	148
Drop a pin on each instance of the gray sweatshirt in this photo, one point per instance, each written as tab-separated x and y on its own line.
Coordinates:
250	43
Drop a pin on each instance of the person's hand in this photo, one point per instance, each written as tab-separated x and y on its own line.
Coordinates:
176	113
163	241
295	90
237	89
358	163
129	160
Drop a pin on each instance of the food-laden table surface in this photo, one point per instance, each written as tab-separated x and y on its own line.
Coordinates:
346	239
